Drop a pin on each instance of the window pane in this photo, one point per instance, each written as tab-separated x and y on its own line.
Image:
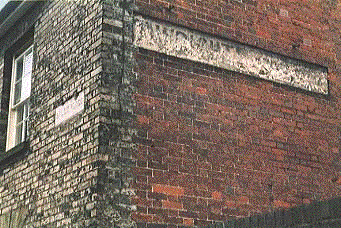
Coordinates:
20	114
26	119
28	64
27	109
25	129
26	87
17	92
18	136
19	69
26	80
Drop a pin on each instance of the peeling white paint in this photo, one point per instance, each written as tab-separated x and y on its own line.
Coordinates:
194	46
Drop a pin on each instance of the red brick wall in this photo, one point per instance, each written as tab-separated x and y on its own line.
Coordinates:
312	26
214	144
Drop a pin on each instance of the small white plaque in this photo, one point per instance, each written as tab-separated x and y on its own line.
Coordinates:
71	108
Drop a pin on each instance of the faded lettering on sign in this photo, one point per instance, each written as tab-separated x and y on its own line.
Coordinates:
195	46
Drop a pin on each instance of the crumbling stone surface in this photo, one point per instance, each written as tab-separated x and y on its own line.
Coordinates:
184	43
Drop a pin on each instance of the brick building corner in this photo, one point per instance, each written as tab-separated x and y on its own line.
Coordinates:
164	113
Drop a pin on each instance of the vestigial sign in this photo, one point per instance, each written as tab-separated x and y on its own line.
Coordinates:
187	44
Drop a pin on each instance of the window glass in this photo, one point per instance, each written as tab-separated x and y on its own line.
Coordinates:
19	132
26	81
17	93
19	70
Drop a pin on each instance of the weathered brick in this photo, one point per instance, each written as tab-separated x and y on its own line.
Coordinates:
171	205
168	190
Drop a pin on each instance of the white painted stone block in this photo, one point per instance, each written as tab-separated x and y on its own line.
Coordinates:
71	108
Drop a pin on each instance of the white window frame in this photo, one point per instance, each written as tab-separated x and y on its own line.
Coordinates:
18	113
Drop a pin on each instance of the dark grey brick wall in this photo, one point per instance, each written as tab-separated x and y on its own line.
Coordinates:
77	173
57	181
68	40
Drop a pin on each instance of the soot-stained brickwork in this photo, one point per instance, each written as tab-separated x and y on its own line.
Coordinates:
76	169
158	139
56	181
117	85
318	214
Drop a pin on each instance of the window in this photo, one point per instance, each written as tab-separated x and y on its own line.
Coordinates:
19	99
14	218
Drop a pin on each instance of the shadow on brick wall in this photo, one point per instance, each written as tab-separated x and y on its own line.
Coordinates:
319	214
